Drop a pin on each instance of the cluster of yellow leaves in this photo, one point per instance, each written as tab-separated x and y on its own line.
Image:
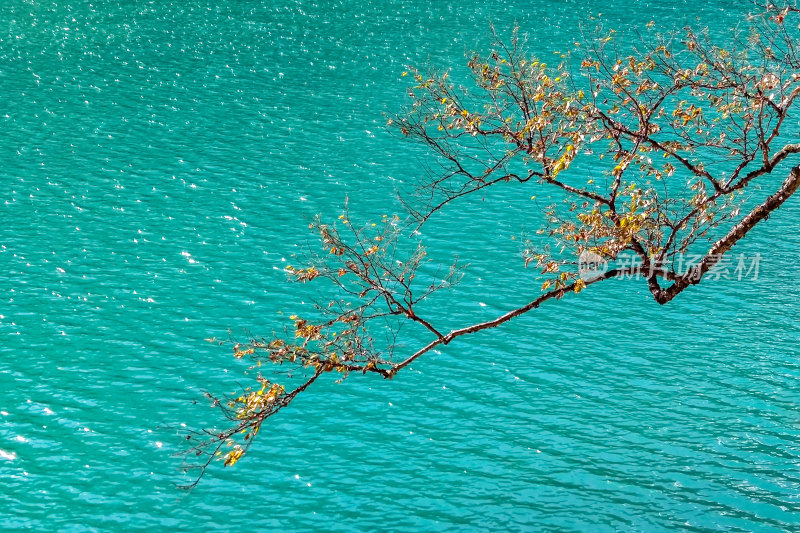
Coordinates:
560	281
233	456
240	350
247	407
564	161
303	274
307	331
688	113
256	401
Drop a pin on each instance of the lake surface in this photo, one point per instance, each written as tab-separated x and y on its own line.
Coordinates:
159	164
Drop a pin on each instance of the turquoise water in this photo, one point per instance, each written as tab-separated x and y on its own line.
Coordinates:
159	165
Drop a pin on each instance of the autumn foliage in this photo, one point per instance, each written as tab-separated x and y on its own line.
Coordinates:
677	130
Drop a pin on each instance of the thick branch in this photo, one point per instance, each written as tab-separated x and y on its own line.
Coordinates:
761	212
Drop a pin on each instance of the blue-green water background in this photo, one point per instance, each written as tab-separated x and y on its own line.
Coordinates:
158	165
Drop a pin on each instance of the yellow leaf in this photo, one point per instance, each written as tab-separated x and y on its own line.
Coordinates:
233	456
579	285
